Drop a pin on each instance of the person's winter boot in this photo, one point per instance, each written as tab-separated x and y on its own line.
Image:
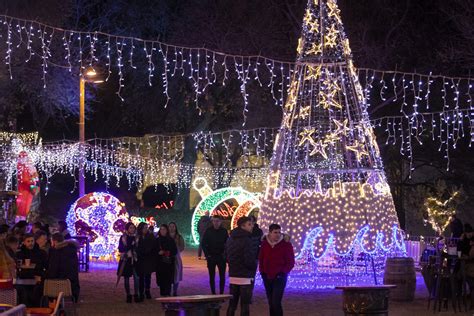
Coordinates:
137	298
147	294
129	298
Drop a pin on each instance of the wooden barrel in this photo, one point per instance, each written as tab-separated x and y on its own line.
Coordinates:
400	271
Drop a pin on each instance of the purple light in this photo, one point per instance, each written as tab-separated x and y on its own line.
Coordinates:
101	217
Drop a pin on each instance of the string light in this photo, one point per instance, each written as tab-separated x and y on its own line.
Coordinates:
200	64
157	158
439	213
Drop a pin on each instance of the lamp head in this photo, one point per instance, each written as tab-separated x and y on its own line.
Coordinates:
90	72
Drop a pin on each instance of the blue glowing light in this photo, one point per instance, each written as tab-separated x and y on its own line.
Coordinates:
308	250
101	217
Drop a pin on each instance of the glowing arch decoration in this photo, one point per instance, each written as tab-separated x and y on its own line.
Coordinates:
247	202
101	217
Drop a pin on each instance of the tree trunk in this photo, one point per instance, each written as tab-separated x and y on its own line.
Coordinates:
189	158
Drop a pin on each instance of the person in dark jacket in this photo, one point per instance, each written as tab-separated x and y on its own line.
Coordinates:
36	227
63	262
62	228
128	259
456	227
213	245
41	240
11	246
464	243
257	234
178	262
33	266
276	260
19	229
4	229
203	224
166	248
145	260
241	256
30	251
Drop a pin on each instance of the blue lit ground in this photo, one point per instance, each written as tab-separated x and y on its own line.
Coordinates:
100	297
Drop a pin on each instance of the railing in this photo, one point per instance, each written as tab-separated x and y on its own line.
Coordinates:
83	252
416	245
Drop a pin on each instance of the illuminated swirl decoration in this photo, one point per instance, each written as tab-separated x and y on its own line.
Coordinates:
247	202
102	218
348	217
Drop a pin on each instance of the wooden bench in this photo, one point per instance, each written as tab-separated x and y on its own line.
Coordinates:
365	300
194	305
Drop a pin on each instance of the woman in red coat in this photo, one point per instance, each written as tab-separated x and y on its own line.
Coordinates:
276	260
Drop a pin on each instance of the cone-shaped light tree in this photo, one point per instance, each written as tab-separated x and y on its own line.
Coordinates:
327	186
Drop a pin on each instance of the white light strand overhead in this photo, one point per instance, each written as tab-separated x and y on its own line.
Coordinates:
206	67
158	158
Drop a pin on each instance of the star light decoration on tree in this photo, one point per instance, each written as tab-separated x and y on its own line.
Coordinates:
327	187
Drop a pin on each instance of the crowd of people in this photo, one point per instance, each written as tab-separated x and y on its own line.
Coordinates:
244	251
142	254
38	253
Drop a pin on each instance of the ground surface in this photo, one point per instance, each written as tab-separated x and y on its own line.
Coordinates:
99	296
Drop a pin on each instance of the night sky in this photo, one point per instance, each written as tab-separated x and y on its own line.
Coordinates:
422	36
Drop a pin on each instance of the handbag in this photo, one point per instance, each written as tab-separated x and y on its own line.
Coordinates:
166	257
166	260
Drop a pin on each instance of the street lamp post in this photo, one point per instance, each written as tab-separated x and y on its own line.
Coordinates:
87	76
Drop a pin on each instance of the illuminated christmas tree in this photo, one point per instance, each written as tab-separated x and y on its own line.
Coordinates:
327	186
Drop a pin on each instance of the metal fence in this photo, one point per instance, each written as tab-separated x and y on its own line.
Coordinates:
416	245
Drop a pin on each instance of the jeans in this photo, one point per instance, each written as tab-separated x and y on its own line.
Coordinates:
144	283
135	284
274	288
244	292
212	262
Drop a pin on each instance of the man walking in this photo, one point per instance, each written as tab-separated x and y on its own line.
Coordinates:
203	224
456	227
276	260
213	245
257	234
241	256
